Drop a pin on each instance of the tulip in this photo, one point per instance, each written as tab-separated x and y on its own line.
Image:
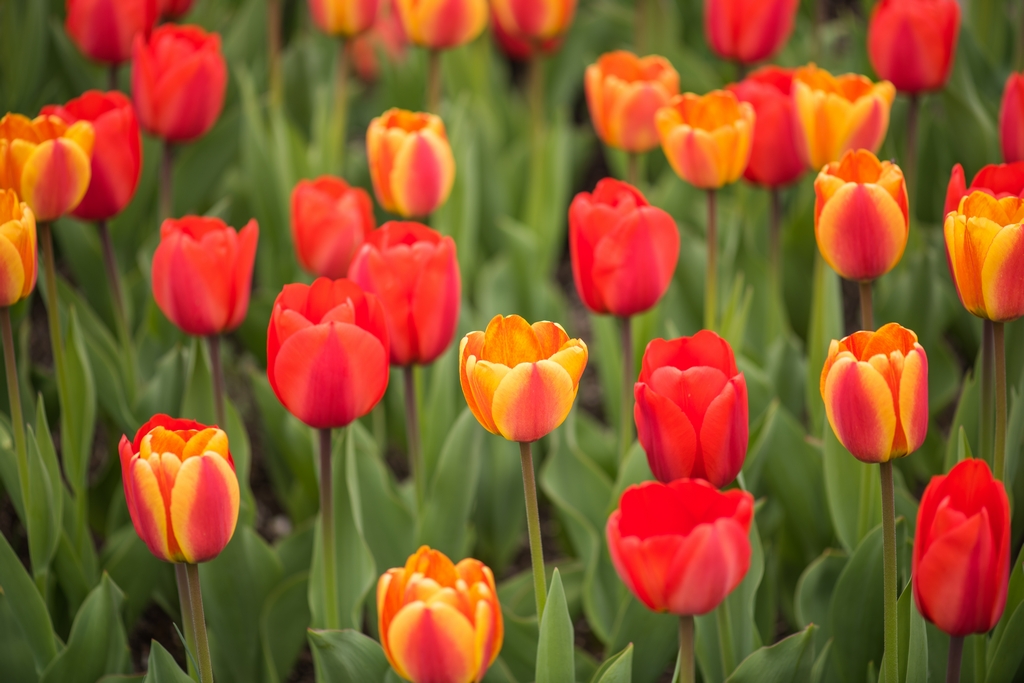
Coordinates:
439	622
537	23
386	36
962	550
330	221
519	48
1011	119
178	82
346	18
18	260
202	273
411	162
442	24
623	93
775	155
748	31
174	9
912	42
839	113
181	489
998	180
105	29
861	217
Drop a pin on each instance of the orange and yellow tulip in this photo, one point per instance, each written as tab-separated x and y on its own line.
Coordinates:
707	139
840	113
520	380
18	261
346	18
985	250
46	161
875	389
439	622
442	24
861	215
534	22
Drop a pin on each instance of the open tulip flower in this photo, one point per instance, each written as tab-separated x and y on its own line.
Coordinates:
181	489
346	18
18	260
748	31
439	622
998	180
875	389
912	42
776	156
105	29
533	22
443	24
1011	119
330	221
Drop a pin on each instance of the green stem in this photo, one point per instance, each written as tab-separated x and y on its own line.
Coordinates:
685	670
52	310
187	625
891	654
217	374
999	458
980	655
535	83
112	77
628	378
199	621
274	47
340	115
434	82
533	526
633	169
167	181
711	274
956	652
985	429
14	396
867	317
412	431
327	528
725	639
117	297
910	163
775	241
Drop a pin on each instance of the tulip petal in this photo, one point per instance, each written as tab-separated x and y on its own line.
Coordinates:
151	515
511	340
484	378
724	433
913	393
433	642
12	270
1001	281
204	506
861	231
708	565
665	433
859	405
55	178
573	359
532	400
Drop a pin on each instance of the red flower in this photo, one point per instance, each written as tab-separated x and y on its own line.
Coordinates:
998	180
173	9
518	47
1011	119
116	152
414	271
912	42
327	352
681	547
105	29
962	550
202	273
330	221
691	409
775	156
748	31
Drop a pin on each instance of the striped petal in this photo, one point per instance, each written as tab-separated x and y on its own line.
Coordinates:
433	643
55	177
12	270
1002	283
861	231
204	506
859	405
532	400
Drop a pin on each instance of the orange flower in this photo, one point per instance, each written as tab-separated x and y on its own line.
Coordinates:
533	21
346	18
707	138
520	380
442	24
17	249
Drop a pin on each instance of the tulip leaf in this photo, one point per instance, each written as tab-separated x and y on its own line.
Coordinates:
616	669
788	661
77	408
913	640
346	657
15	654
500	513
43	509
853	489
826	324
130	564
814	592
655	638
555	647
1004	652
965	417
283	623
27	606
963	446
162	668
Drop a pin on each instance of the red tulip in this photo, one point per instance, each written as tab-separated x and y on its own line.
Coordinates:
1011	119
116	152
327	352
414	272
386	37
623	250
681	547
776	156
691	409
174	9
105	29
518	47
536	22
178	81
912	42
330	221
998	180
202	273
961	565
748	31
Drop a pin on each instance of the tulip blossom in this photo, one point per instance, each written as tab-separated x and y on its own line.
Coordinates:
776	158
839	113
962	550
875	389
442	24
912	42
533	22
520	380
181	488
386	36
327	352
439	622
623	93
681	547
748	31
18	259
346	18
998	180
174	9
706	138
46	162
104	30
415	274
202	273
861	215
178	82
624	251
411	162
1011	119
330	221
116	154
518	47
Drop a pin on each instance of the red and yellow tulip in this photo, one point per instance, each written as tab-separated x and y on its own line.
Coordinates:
533	22
411	162
442	24
18	261
346	18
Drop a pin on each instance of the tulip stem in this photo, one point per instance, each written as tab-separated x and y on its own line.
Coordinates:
998	461
434	82
14	396
891	653
217	375
53	316
867	316
167	181
711	274
987	374
633	169
199	624
725	639
112	77
340	115
188	626
628	378
274	47
685	670
327	528
956	652
535	94
533	526
910	163
412	433
775	239
117	296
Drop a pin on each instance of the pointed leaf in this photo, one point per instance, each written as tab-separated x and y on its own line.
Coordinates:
555	648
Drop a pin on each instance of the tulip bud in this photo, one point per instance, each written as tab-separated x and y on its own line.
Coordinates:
998	180
181	488
518	47
346	18
439	622
330	221
875	389
174	9
748	31
1011	119
18	260
105	29
444	24
912	42
536	23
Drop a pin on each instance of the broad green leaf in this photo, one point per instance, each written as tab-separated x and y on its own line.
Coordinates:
814	592
555	649
27	606
130	564
78	408
966	417
654	635
825	325
283	623
1004	651
346	657
616	669
44	515
963	446
788	661
854	492
15	653
162	668
913	640
500	513
9	474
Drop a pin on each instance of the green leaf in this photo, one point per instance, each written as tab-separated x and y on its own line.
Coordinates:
1004	651
283	625
15	654
966	417
130	564
788	661
655	637
963	446
78	408
616	669
162	668
913	640
27	606
825	325
854	492
44	514
555	647
346	657
814	591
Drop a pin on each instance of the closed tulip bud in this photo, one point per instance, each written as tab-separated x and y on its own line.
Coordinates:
998	180
116	154
520	380
1011	119
46	162
178	82
985	251
518	47
415	274
330	221
776	158
624	251
707	138
443	24
181	488
105	29
961	564
624	92
839	113
346	18
327	352
439	622
681	547
411	162
861	216
174	9
875	389
748	31
17	249
535	22
912	42
202	273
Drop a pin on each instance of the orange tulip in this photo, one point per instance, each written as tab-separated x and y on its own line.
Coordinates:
46	161
346	18
840	113
624	92
17	249
520	380
533	21
707	139
442	24
439	622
